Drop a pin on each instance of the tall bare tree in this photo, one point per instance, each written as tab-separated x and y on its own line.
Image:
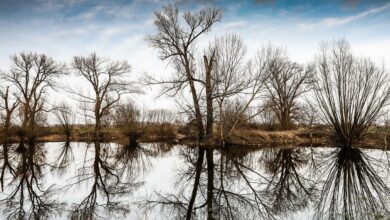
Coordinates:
32	74
350	91
286	82
176	41
241	84
230	76
109	81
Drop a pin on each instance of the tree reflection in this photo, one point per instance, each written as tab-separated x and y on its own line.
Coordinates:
289	187
132	160
177	204
6	164
232	183
240	193
26	197
64	158
352	187
108	182
224	187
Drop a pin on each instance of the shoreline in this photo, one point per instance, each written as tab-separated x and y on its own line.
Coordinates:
250	138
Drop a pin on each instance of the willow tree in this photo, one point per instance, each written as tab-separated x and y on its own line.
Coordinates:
109	81
349	91
32	74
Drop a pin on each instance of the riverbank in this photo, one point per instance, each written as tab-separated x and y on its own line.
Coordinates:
376	137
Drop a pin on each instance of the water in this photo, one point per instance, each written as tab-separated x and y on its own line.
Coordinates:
156	181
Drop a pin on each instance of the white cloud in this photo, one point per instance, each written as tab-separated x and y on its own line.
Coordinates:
338	21
124	39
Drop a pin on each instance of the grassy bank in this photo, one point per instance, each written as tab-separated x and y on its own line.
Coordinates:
376	137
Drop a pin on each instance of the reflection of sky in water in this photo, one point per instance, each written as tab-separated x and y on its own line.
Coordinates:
159	169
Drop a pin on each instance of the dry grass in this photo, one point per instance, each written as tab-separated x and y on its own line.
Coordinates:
299	136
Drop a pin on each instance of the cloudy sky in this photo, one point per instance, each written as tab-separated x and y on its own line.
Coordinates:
117	29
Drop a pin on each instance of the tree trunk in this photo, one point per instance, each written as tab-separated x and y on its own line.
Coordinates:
97	129
199	166
209	98
198	114
7	124
210	183
285	121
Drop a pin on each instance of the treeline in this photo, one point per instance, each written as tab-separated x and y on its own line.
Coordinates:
219	88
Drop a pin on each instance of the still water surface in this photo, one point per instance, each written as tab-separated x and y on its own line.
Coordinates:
156	181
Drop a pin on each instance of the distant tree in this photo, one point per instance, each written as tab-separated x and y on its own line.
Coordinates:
350	91
109	81
130	120
65	118
243	84
233	77
32	74
286	82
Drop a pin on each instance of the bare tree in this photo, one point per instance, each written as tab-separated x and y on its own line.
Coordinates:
65	118
176	42
350	91
32	74
226	74
286	82
161	116
247	92
229	71
130	120
109	81
267	117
